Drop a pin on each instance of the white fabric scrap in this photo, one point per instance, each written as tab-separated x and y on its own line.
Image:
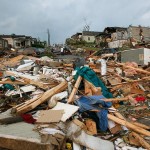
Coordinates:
57	97
27	66
103	66
51	131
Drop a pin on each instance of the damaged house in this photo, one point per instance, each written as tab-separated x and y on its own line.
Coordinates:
77	36
117	33
139	34
102	38
18	41
119	36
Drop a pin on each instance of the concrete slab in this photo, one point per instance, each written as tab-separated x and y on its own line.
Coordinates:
20	136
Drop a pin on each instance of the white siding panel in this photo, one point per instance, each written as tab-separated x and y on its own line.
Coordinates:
146	56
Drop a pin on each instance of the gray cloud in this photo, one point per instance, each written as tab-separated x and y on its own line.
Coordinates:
65	17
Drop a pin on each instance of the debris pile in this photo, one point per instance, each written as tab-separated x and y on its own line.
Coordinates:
103	105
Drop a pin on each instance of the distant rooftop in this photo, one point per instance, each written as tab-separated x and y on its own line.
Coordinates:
114	29
13	36
138	26
90	33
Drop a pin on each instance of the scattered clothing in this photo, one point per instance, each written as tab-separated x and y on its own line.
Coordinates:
95	103
28	118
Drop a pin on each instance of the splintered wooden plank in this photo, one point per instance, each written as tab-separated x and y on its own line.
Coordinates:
136	69
129	125
28	80
49	116
143	142
74	91
87	88
114	80
13	82
48	94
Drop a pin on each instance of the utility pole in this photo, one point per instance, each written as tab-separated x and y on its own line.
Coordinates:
48	37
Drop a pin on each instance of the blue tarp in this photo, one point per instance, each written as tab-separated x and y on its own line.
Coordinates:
87	103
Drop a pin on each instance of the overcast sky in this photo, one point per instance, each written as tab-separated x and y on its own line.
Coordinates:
66	17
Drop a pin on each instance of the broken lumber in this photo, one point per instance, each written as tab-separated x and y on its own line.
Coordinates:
24	104
92	54
136	69
129	125
48	94
141	125
92	87
76	86
135	123
29	81
13	82
115	99
130	82
141	140
129	97
87	89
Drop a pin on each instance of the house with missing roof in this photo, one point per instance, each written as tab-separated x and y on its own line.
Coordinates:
117	33
119	36
18	41
102	37
77	36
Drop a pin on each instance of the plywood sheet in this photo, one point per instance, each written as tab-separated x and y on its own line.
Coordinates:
49	116
69	110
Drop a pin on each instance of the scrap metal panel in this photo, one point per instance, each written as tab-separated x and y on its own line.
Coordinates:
133	55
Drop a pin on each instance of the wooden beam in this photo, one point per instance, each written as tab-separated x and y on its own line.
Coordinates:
74	91
129	125
87	89
129	97
13	82
141	140
29	81
136	69
130	82
116	99
92	54
135	123
24	104
141	125
92	87
48	94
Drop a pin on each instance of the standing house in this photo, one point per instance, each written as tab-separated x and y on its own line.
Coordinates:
89	36
18	41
